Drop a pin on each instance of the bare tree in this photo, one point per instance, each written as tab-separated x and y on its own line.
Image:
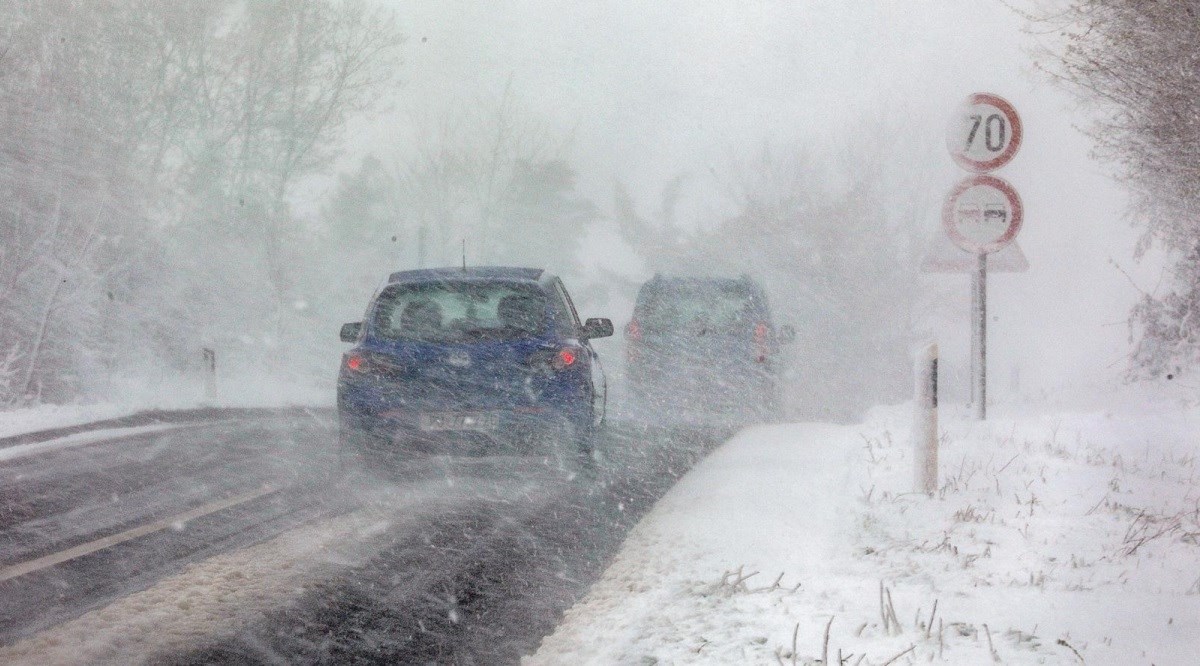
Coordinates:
496	176
287	77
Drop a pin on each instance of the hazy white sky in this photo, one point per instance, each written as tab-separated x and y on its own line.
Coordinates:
651	89
655	87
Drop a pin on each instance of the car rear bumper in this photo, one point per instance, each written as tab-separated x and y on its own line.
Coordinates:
709	387
493	432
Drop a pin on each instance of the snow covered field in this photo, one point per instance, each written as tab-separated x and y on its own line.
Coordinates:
1059	539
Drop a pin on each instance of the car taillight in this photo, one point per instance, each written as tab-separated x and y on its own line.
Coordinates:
761	331
556	359
356	363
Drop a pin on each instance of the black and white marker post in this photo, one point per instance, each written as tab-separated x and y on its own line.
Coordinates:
983	213
925	420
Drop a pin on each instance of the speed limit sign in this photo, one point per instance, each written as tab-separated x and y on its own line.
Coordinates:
984	134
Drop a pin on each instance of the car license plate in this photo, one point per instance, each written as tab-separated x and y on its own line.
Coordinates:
482	421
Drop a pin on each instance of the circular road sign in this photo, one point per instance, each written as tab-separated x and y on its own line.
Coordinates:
982	214
984	133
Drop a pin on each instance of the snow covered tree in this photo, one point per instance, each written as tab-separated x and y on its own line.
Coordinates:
361	236
148	155
1136	62
69	196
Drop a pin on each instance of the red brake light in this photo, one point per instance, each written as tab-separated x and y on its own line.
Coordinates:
760	342
555	359
355	363
633	333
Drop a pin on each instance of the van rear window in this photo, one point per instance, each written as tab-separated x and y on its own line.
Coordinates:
714	307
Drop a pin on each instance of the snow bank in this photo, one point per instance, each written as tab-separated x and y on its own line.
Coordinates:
244	392
44	417
1053	539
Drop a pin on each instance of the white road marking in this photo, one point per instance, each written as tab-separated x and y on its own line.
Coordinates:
16	570
86	438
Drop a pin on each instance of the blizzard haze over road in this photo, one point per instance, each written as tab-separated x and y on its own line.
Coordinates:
686	89
445	331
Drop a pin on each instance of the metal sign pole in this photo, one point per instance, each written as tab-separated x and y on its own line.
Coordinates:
974	363
979	338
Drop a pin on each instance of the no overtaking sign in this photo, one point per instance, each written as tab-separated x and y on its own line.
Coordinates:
982	214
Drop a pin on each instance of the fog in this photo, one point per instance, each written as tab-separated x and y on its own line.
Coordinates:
649	94
447	331
612	141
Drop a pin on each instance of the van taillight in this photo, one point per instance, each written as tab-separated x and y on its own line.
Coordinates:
761	332
633	334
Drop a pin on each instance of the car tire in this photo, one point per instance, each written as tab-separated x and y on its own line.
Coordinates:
569	448
772	405
349	457
351	446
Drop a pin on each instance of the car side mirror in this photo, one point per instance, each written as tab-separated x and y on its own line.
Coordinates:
597	328
351	331
787	334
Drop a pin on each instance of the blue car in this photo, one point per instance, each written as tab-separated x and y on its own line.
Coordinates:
471	361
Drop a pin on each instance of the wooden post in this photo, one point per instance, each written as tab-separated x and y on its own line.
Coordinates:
210	373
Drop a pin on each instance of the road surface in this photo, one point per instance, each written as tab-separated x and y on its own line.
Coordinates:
468	560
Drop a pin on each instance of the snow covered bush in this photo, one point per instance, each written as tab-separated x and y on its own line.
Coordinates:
1125	58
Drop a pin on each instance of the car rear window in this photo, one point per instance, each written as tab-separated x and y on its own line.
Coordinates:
451	311
709	306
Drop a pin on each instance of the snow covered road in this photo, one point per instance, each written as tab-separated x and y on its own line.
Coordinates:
90	516
215	540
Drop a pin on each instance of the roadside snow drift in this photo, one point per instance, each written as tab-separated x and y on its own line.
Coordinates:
1052	540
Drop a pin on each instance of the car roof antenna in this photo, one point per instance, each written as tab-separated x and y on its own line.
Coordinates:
464	253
